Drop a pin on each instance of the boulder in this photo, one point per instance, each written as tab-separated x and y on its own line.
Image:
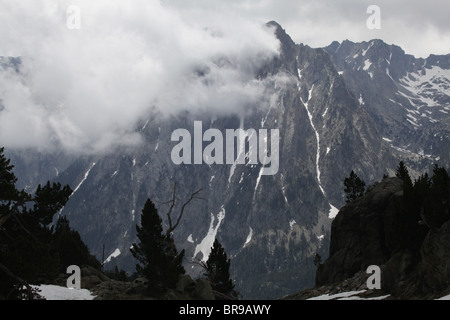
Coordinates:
435	264
203	290
379	229
91	277
361	233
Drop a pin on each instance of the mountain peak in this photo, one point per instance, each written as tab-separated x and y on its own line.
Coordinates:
273	23
281	34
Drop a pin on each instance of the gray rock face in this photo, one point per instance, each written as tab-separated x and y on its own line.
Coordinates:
408	98
361	233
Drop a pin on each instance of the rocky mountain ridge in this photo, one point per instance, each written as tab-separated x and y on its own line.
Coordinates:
407	97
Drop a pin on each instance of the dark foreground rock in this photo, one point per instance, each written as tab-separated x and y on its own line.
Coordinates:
104	288
187	289
414	259
357	283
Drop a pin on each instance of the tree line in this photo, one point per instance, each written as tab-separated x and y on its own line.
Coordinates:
35	249
428	198
424	204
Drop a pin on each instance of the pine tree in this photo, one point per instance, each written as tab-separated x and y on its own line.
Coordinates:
218	270
317	260
158	259
27	244
437	207
354	187
10	197
48	200
8	180
419	194
403	173
70	247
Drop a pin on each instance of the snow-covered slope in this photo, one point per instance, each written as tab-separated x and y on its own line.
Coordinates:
408	98
53	292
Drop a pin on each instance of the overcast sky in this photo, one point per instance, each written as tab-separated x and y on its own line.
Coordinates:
90	72
419	27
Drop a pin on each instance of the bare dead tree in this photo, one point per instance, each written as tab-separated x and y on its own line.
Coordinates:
173	202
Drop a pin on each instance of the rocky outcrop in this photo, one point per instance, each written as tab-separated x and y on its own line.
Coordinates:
375	230
435	254
431	278
357	284
186	289
368	231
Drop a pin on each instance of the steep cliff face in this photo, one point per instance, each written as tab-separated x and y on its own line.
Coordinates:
370	231
332	118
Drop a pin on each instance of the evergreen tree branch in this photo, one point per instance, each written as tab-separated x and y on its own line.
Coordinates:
18	280
14	213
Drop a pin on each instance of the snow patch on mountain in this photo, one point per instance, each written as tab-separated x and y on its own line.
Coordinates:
241	150
115	254
249	237
367	64
84	178
350	295
423	85
305	103
53	292
206	244
292	222
365	51
361	100
333	212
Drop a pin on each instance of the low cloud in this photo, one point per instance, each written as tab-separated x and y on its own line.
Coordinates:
84	89
421	28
